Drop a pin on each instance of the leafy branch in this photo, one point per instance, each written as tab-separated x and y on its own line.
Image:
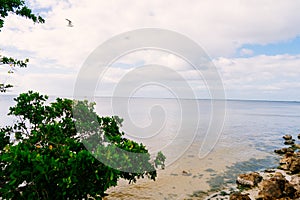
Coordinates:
16	7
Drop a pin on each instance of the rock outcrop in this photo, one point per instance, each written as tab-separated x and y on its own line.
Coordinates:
291	162
296	146
284	150
272	184
289	142
239	196
249	180
276	187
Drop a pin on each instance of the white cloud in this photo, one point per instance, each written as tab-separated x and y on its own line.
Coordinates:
246	52
260	74
45	83
221	27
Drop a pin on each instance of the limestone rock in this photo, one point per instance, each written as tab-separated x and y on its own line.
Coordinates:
296	146
289	142
185	173
269	170
276	187
284	150
239	196
286	158
291	162
295	181
287	137
294	165
249	180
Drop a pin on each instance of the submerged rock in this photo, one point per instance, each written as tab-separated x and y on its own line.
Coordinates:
284	150
297	146
287	137
269	170
239	196
273	184
289	142
249	180
185	173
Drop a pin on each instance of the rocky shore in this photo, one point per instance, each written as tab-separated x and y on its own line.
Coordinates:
282	183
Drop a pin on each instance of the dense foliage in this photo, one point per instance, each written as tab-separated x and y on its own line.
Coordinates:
46	159
17	7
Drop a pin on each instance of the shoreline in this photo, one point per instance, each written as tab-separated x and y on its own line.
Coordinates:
281	183
182	182
190	177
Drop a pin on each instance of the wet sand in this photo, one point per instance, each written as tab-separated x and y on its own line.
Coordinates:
187	176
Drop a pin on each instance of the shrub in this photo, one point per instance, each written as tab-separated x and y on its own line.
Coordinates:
47	158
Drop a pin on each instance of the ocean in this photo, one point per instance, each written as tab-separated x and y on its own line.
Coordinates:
250	132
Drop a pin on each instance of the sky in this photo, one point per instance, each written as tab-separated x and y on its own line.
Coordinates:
254	45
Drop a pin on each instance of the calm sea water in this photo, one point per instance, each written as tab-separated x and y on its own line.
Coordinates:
251	131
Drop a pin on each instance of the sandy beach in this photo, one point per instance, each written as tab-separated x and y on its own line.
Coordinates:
187	178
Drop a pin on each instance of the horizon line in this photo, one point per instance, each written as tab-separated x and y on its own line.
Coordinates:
143	97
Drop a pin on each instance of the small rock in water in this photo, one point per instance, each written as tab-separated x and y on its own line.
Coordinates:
289	142
185	173
239	196
269	170
287	137
284	150
249	180
296	146
299	136
291	162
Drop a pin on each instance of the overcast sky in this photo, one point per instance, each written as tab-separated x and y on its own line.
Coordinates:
255	45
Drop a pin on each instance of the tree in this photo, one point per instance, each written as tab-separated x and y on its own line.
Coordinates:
48	160
17	7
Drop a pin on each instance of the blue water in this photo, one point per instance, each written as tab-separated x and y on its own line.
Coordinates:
256	126
262	123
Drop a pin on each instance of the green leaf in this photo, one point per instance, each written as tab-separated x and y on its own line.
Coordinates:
12	182
25	172
67	170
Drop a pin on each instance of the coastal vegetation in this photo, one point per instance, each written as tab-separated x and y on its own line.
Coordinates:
16	7
42	154
48	160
